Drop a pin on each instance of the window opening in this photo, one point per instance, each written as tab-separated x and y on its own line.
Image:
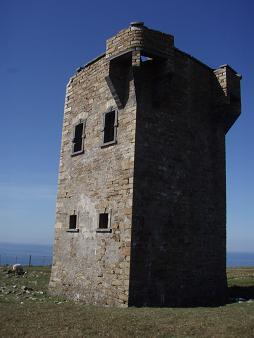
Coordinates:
110	124
103	221
73	222
78	139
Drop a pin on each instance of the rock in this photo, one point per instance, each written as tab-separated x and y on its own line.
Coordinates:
17	269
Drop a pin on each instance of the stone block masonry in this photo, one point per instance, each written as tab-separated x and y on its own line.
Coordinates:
140	215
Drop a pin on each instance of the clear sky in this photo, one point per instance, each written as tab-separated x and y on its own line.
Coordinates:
44	41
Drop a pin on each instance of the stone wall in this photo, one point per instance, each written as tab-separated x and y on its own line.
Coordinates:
178	231
90	265
138	37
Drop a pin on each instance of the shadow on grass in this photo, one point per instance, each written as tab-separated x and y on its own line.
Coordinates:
244	292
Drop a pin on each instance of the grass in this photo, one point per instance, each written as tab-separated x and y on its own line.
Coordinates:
27	311
241	276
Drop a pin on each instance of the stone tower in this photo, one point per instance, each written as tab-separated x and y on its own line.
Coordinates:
141	213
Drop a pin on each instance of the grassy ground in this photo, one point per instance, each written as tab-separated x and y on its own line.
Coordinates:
27	311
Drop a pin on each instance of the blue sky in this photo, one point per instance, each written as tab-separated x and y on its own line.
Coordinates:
43	42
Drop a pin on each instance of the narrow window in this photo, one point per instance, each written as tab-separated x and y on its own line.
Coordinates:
78	138
103	221
73	222
110	125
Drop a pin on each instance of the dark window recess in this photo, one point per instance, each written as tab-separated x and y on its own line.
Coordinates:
103	221
109	127
73	222
78	138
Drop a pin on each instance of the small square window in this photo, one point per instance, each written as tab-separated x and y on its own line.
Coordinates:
73	222
104	223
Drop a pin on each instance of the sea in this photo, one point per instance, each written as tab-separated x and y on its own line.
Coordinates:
41	254
25	254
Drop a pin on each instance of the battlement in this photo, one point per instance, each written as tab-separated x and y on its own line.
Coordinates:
228	99
138	37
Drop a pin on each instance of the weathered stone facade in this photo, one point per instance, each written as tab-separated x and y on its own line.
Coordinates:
161	182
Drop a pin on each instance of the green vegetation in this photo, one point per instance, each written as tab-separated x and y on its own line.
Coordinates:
240	276
27	311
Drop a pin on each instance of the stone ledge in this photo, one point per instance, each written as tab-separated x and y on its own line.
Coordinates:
104	230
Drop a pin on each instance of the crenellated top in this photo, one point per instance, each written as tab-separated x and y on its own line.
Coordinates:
229	81
228	98
139	37
126	56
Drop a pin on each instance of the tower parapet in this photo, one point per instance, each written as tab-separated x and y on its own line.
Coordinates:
229	99
137	37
